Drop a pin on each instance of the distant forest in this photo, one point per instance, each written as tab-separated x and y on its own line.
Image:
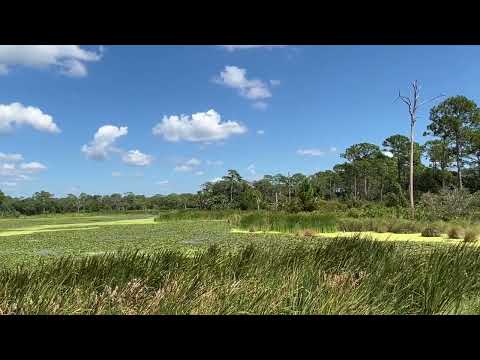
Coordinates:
377	173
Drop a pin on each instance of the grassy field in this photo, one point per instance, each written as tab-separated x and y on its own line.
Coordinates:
132	264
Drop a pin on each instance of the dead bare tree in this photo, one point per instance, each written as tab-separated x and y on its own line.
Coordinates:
413	105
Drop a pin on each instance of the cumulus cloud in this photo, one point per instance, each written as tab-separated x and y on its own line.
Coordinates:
11	157
260	105
388	153
200	127
246	47
236	78
32	167
274	82
215	162
188	165
315	152
10	171
251	169
9	184
103	142
260	132
68	59
137	158
310	152
15	114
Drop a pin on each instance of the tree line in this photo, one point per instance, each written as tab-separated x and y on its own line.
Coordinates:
370	172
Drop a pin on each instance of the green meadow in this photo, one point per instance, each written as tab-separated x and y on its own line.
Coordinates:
144	265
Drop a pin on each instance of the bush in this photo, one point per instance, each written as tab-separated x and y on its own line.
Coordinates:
471	236
431	231
448	205
456	232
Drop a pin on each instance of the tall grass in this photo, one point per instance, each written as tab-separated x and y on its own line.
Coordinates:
340	276
285	222
195	215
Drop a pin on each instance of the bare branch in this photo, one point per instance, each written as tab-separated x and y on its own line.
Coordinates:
432	99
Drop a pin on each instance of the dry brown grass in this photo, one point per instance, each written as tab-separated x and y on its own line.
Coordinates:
456	232
471	236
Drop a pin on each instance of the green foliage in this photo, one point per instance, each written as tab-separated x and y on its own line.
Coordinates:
195	215
382	225
341	276
285	222
431	231
448	205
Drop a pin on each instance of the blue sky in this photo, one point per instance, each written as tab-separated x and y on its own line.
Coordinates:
310	102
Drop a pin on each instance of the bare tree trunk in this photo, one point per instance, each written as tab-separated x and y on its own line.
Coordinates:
412	204
276	200
365	189
381	191
459	167
355	187
289	190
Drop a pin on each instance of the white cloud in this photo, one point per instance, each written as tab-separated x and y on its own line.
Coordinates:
11	157
260	132
251	169
260	105
162	182
310	152
188	165
245	47
217	179
183	168
194	162
68	59
137	158
235	77
11	172
333	149
103	141
215	162
9	184
116	174
200	127
388	153
32	167
199	173
17	114
275	82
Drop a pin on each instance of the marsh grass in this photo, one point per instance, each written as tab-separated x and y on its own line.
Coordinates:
471	235
285	222
456	232
195	215
339	276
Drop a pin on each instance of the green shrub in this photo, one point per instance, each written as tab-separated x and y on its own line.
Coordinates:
431	231
448	205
